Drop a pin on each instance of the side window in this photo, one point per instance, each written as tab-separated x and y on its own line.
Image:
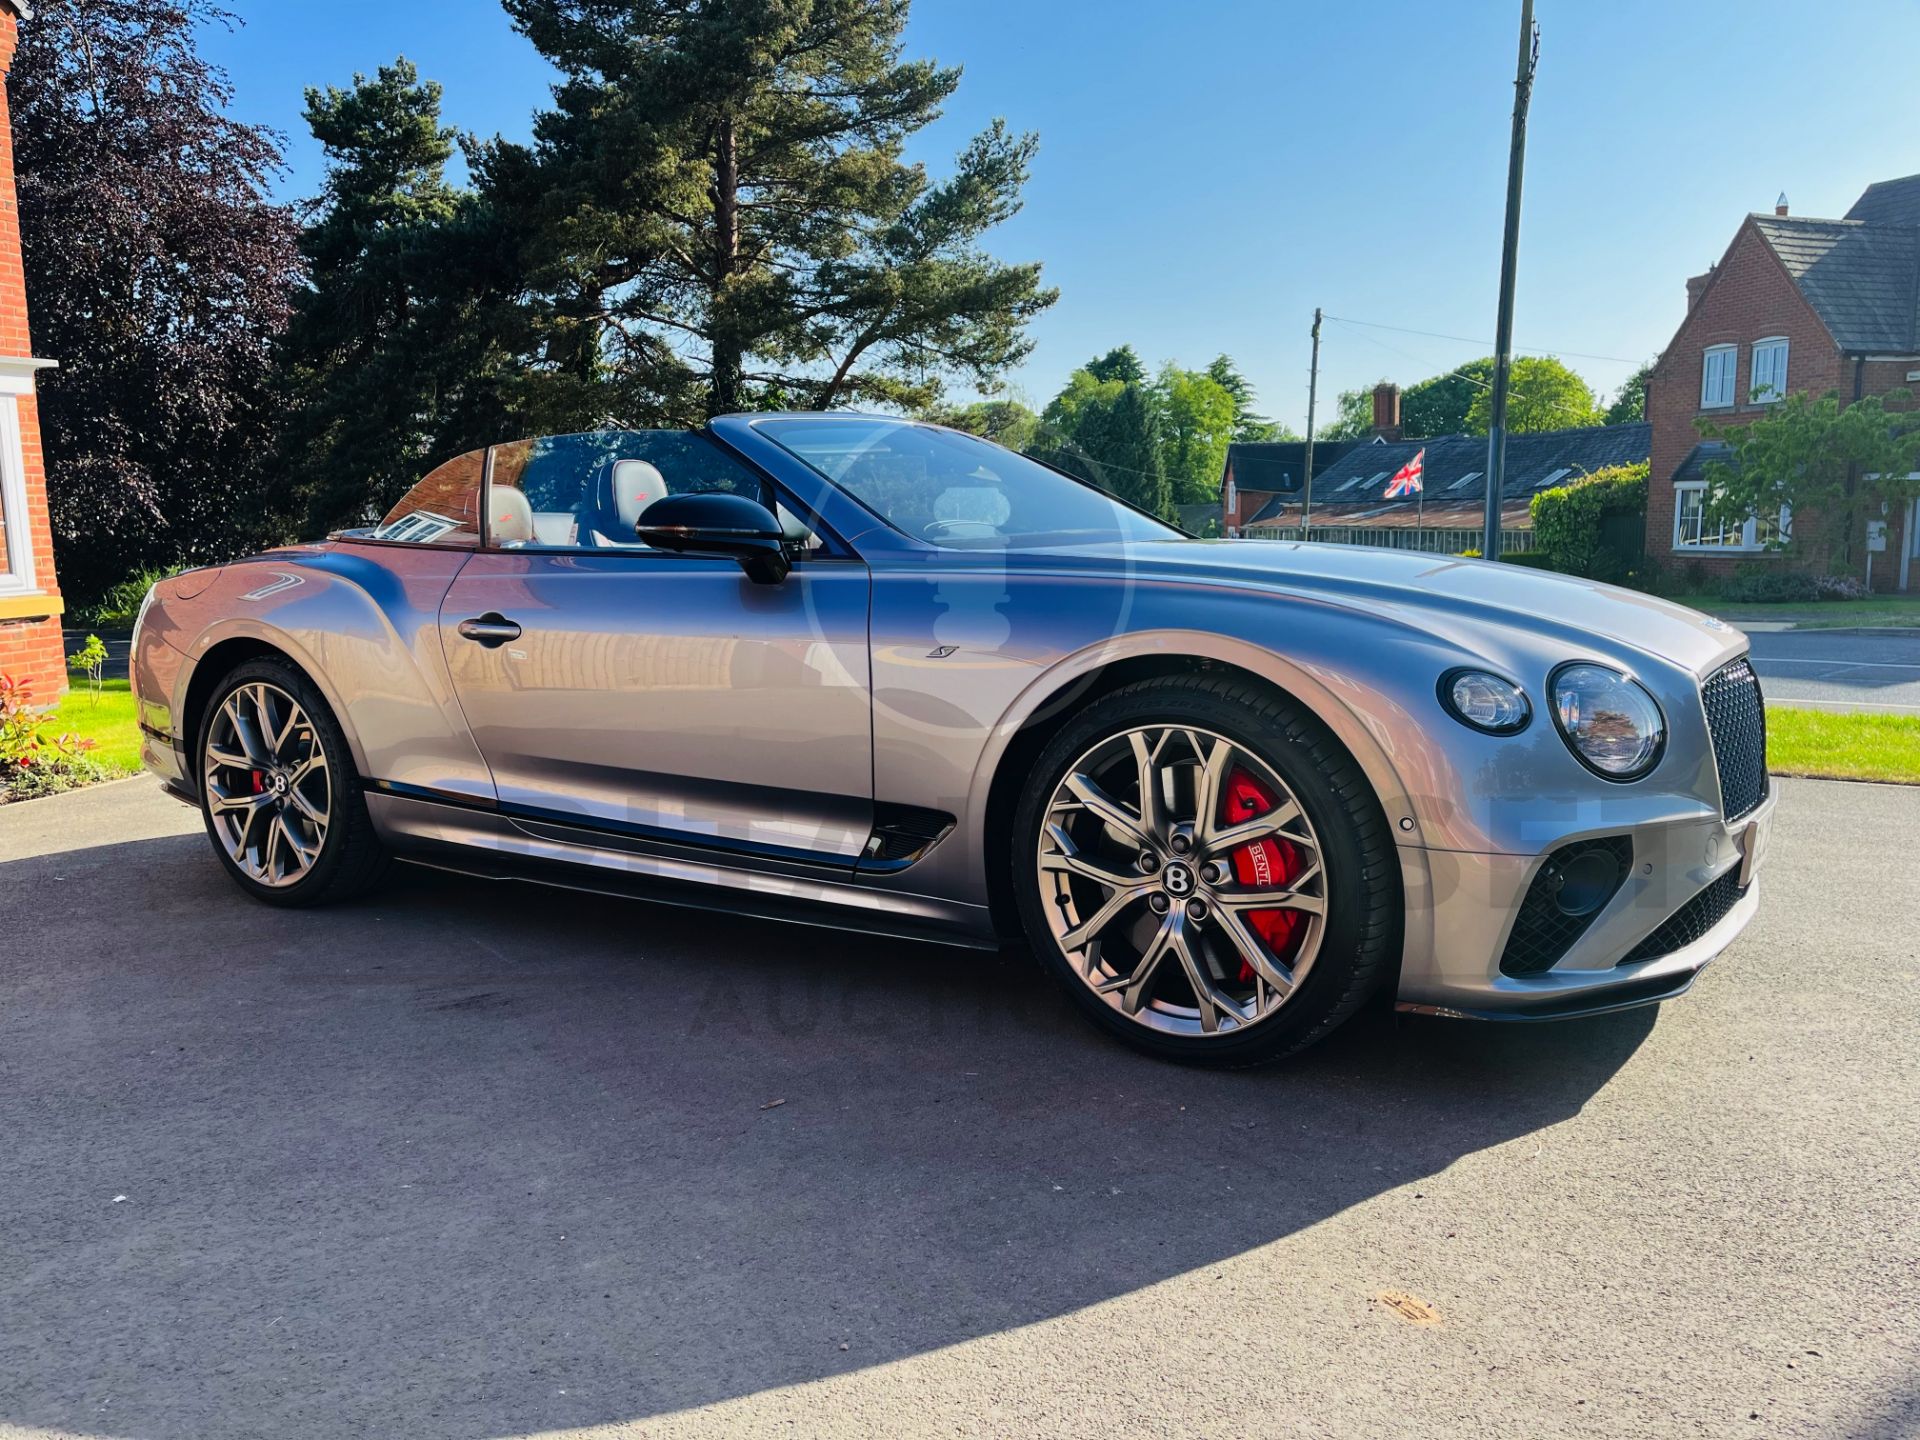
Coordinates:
1769	371
1716	376
443	509
588	491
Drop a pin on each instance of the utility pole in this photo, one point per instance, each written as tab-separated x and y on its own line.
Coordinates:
1509	259
1313	389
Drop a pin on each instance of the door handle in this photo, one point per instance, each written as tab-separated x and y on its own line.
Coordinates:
491	629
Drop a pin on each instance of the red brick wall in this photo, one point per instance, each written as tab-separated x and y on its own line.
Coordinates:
30	648
1749	297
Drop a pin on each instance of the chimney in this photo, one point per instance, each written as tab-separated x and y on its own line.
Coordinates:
1696	287
1780	205
1386	410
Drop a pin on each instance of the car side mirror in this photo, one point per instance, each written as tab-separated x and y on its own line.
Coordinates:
719	524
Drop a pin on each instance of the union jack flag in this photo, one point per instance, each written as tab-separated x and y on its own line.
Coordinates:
1407	479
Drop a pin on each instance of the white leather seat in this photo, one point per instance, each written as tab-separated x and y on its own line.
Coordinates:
509	516
636	485
629	486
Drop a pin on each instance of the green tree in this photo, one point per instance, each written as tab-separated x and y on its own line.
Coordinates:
1543	394
1125	437
1197	420
1005	422
1108	432
1120	363
382	365
159	273
1630	403
1247	423
716	210
1083	393
1352	416
1442	404
1836	466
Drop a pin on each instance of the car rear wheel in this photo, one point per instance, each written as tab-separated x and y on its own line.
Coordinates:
278	791
1207	871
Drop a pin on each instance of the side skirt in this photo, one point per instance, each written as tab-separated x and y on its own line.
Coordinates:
485	843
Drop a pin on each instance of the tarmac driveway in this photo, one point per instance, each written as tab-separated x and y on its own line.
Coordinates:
478	1160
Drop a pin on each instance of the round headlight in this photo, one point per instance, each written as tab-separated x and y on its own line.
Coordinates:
1608	720
1485	701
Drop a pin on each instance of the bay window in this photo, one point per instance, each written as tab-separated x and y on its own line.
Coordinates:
1694	530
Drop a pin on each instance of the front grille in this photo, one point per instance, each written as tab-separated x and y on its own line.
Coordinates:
1691	921
1544	930
1737	721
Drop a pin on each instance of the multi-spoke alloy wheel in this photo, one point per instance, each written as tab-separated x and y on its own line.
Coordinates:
282	799
1206	870
267	786
1183	879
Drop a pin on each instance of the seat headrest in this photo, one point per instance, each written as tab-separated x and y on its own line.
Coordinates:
509	516
636	485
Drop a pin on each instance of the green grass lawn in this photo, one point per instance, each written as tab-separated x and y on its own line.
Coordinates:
109	721
1832	746
1898	610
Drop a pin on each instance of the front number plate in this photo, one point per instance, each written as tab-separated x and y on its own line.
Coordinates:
1753	850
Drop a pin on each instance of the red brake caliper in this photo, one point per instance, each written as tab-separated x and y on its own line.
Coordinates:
1261	865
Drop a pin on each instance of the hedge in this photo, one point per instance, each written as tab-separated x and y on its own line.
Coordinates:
1594	527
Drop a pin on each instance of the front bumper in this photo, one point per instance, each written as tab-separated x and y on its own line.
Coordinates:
1455	940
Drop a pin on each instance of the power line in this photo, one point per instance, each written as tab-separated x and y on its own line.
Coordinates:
1469	340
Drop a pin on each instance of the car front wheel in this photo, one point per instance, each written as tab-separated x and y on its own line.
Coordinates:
1207	871
278	791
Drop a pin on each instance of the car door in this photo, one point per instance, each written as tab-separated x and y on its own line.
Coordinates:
657	696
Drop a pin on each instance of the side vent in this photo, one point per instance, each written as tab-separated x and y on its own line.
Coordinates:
901	835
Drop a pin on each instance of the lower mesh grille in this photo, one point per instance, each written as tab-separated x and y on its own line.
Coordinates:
1544	931
1737	720
1691	921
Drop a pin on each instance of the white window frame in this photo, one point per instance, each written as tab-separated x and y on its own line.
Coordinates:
1778	390
1707	357
1749	542
16	525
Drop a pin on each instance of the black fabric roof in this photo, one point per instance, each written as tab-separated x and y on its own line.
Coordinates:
1863	279
1456	464
1889	202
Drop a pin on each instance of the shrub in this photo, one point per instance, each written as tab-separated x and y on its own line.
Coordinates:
1840	587
1593	527
119	606
33	761
92	659
1765	586
1532	559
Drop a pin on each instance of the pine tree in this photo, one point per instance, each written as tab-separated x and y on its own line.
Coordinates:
380	363
716	210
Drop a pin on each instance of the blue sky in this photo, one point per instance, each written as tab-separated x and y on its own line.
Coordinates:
1211	171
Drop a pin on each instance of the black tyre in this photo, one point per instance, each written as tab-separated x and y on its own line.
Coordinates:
1207	871
279	793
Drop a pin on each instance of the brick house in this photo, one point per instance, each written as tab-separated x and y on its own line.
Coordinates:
1795	304
30	604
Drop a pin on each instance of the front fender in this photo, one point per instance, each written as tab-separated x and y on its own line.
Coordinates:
364	628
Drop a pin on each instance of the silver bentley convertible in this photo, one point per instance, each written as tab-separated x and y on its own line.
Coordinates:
863	672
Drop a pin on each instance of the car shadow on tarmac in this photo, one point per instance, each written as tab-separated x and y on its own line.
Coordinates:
477	1159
